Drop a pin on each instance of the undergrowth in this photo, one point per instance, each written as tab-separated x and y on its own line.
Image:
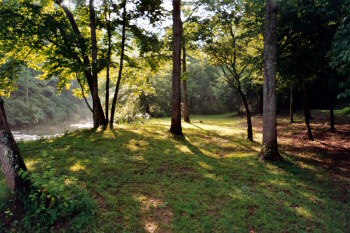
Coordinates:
53	204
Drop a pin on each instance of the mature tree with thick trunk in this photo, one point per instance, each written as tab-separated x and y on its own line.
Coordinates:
269	150
176	127
10	157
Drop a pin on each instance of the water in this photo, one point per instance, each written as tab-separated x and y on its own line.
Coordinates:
39	132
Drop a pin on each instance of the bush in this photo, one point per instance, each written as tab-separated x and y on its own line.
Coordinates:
52	205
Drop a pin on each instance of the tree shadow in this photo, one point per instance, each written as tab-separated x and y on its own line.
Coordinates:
144	180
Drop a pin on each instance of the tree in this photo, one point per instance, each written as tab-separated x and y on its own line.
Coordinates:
269	150
11	161
230	48
306	31
176	127
120	72
59	35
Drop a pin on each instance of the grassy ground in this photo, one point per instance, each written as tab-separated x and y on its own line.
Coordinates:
146	180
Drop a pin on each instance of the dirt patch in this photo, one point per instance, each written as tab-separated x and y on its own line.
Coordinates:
100	200
330	150
157	216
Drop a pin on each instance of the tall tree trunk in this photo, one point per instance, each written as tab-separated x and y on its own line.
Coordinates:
291	104
269	150
306	110
261	102
94	63
248	115
109	52
101	120
306	100
145	103
331	106
115	97
10	157
184	81
176	127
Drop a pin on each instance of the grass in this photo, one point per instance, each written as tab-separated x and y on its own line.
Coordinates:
146	180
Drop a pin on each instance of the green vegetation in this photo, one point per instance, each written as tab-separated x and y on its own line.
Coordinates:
210	181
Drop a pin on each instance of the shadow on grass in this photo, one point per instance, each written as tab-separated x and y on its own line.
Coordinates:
147	181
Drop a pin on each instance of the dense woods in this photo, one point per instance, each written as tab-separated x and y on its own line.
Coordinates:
271	65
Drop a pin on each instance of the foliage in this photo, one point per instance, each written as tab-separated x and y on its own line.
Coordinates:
38	102
306	31
205	88
54	203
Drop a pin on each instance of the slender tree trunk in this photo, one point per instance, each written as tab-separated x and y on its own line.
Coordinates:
291	104
306	101
261	102
248	115
101	120
176	127
10	157
184	81
109	52
269	150
145	103
306	111
331	106
94	64
115	97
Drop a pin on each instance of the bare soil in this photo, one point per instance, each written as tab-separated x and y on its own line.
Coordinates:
329	151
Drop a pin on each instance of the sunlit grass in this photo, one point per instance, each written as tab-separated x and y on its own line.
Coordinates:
147	180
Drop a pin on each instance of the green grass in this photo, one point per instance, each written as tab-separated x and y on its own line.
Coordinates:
143	179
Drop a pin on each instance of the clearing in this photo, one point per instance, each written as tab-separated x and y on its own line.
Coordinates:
145	180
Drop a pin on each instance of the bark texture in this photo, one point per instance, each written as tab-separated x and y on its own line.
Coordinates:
10	157
269	150
176	127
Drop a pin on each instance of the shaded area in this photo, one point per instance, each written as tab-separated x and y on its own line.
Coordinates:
145	180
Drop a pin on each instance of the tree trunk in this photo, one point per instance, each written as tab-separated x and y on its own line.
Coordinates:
10	157
248	115
94	63
261	102
101	120
176	127
269	150
291	104
115	97
331	107
109	52
145	103
306	111
184	81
